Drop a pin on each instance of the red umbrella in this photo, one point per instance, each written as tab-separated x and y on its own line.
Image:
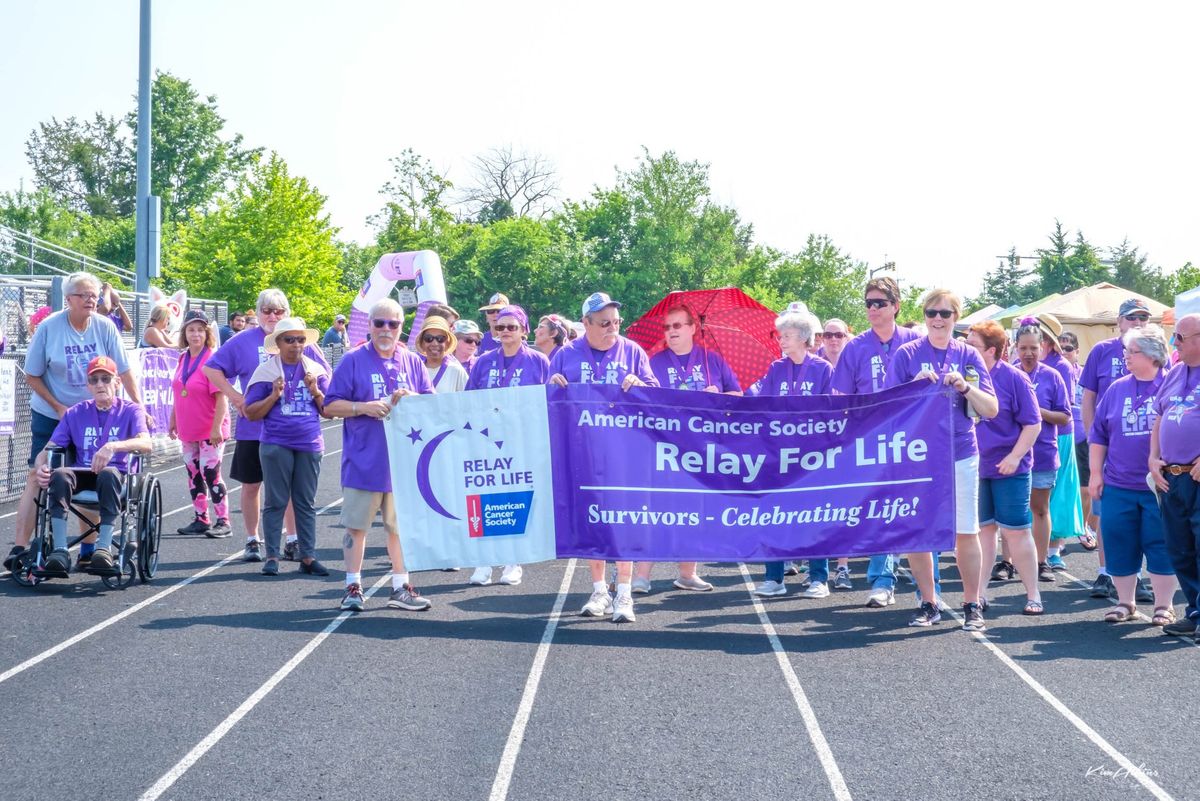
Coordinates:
731	322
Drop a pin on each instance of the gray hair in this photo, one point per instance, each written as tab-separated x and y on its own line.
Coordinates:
273	298
75	279
1151	340
802	320
389	306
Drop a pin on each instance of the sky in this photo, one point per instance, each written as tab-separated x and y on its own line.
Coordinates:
934	135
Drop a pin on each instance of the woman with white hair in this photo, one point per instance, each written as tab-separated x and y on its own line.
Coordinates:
1119	453
797	373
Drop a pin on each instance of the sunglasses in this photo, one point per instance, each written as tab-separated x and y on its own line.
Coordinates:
672	326
470	341
434	338
945	314
392	324
877	303
1144	318
833	335
507	327
607	324
292	340
273	312
103	378
492	311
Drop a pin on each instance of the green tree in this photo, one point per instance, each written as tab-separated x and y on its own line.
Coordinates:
1185	278
1010	284
821	275
86	166
271	230
1131	269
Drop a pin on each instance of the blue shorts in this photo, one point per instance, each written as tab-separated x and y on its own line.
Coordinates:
1132	526
1044	479
42	428
1005	502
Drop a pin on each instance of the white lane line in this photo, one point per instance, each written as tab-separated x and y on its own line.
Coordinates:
516	735
1104	745
832	772
204	746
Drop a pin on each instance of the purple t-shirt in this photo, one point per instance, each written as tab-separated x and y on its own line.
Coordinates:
813	376
364	375
486	343
698	369
1070	378
294	421
1124	419
1018	408
493	369
90	429
1077	405
1178	404
580	364
1051	395
1105	364
862	368
237	360
918	355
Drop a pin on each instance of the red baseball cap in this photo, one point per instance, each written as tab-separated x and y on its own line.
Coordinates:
102	364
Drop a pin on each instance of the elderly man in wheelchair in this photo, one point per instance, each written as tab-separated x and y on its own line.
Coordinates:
103	433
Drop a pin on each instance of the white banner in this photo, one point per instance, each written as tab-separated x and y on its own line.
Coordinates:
8	397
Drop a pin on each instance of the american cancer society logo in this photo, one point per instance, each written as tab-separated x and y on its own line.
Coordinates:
474	474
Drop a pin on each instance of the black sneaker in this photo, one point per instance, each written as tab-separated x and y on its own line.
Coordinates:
291	551
314	568
1143	594
59	561
1103	587
253	552
973	618
1003	570
219	530
10	561
1045	572
197	526
1186	627
927	615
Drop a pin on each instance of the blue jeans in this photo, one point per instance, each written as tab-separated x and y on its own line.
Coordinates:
773	572
1181	525
881	572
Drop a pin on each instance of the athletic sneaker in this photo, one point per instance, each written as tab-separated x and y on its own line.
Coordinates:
219	530
59	561
1103	586
641	585
695	584
973	618
197	526
512	575
253	552
481	577
599	605
10	561
1056	562
816	589
101	564
623	610
291	550
407	597
1184	627
353	601
1142	594
927	615
1045	573
842	581
770	589
879	598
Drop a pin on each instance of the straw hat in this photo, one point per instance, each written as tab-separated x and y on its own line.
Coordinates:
290	325
440	325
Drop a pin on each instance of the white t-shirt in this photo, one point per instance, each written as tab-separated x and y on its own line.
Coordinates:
454	377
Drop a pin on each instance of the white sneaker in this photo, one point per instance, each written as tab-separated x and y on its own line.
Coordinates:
880	598
817	589
641	586
695	584
770	589
622	610
599	605
512	575
481	577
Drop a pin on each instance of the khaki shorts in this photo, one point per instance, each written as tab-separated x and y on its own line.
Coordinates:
359	508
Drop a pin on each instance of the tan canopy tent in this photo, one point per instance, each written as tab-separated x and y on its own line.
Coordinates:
1090	313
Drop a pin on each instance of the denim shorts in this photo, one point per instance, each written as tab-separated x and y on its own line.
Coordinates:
1133	529
1044	479
42	428
1005	502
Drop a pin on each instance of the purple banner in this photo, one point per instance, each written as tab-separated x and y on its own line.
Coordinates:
156	369
663	475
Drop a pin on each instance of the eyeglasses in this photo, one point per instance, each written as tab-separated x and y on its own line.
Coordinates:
945	314
292	340
438	338
1131	352
471	341
1068	348
273	312
1141	318
85	296
606	324
877	303
833	335
672	326
392	324
507	327
102	378
1184	337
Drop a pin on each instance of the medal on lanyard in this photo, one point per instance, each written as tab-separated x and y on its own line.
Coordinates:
188	370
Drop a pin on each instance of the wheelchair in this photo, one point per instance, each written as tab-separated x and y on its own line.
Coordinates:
137	532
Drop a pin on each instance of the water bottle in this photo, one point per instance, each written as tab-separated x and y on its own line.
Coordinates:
971	375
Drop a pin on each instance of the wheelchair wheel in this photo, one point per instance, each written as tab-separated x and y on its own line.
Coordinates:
39	548
149	528
127	560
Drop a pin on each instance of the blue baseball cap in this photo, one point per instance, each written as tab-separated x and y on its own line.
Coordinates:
597	301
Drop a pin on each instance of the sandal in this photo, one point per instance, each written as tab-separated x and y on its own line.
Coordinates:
1120	613
1088	540
1163	616
1033	608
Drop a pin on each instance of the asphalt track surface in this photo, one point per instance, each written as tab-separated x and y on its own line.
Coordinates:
214	682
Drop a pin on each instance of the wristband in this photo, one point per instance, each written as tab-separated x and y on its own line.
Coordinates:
354	409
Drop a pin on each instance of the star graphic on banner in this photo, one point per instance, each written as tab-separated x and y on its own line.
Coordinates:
414	434
467	427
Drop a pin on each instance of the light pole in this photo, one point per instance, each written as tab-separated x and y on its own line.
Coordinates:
887	265
146	212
